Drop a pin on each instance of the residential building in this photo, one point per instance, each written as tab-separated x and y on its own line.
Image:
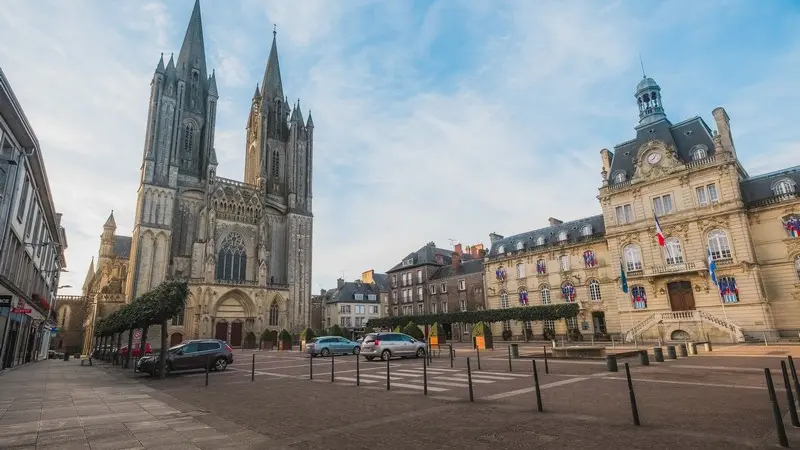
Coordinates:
352	304
685	180
408	279
32	240
458	286
381	283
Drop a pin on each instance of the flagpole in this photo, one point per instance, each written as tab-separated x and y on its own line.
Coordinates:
725	314
630	314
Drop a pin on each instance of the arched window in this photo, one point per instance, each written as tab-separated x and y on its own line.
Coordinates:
783	187
520	245
276	161
540	240
619	177
699	152
594	291
544	293
673	251
589	258
586	230
273	314
504	299
523	296
188	138
501	249
500	273
638	297
633	257
521	270
541	266
232	259
719	244
568	292
792	226
562	236
563	261
728	290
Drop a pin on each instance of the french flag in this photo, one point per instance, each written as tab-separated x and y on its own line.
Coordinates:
659	231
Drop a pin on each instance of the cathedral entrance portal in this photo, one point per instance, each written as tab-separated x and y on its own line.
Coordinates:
236	334
231	312
221	331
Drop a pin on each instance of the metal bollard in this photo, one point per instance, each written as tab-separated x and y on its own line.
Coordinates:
424	377
789	396
692	348
478	351
611	363
469	381
644	358
253	369
310	367
658	354
452	355
546	368
682	350
509	359
776	411
332	366
671	352
794	377
388	378
358	371
634	408
208	366
536	384
708	346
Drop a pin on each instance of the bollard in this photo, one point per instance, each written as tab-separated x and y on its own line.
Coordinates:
611	363
546	368
358	372
253	369
536	384
682	351
644	358
310	367
634	408
708	346
424	377
332	366
451	355
789	396
658	354
478	351
794	377
388	379
671	352
509	359
776	411
693	348
208	366
469	381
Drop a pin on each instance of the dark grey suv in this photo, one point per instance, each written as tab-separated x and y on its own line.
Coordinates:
188	355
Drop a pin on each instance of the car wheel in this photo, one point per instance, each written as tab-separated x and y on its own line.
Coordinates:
356	350
220	365
369	358
324	352
386	355
420	353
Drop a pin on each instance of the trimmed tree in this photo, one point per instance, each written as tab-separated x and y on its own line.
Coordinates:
528	313
335	330
305	336
171	300
482	333
368	330
413	330
436	334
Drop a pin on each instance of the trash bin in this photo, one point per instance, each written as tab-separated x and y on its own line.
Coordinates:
515	350
66	356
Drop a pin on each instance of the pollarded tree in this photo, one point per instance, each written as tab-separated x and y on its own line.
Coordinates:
170	301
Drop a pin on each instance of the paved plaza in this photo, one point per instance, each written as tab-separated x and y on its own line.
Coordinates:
716	400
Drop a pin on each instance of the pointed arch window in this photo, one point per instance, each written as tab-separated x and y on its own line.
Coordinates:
273	314
544	293
633	257
792	226
719	244
276	160
232	259
504	299
594	291
673	251
188	137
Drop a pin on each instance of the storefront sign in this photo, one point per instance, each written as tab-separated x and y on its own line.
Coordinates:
5	301
21	307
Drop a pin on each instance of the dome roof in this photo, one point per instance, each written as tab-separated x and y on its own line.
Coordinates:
647	83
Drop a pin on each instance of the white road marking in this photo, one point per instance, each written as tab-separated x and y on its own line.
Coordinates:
418	387
693	383
533	388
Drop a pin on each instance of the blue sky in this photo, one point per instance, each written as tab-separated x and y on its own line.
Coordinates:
434	119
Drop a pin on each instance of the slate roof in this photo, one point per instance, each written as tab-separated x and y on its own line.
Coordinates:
574	231
381	281
758	188
682	136
122	246
426	255
346	293
466	268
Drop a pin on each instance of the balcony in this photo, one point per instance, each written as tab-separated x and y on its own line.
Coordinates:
668	269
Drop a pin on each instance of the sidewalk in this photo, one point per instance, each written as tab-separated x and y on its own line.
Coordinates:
62	405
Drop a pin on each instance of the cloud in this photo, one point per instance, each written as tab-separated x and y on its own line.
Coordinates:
433	120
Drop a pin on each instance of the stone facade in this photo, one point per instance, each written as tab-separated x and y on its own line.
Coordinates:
686	180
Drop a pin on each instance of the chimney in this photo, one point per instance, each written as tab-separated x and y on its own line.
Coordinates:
366	277
554	221
494	237
322	292
724	130
459	250
339	283
456	264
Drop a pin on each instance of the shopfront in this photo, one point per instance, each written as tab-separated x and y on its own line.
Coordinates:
22	334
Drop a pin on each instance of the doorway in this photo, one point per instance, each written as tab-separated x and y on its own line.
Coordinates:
681	296
599	322
221	331
236	334
176	339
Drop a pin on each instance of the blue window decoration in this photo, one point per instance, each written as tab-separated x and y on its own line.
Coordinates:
500	273
541	267
589	260
792	225
639	297
568	292
523	297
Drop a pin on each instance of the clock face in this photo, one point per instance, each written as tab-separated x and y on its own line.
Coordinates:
654	158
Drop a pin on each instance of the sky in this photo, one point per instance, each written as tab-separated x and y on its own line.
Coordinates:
434	120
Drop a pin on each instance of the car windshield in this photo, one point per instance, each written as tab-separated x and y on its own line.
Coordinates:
370	337
176	349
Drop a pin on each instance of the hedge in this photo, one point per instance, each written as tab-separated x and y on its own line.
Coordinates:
525	313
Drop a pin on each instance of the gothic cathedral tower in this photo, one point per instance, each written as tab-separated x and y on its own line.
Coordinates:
178	157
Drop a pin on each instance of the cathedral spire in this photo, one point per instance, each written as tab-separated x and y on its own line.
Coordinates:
160	66
272	86
89	276
110	222
193	54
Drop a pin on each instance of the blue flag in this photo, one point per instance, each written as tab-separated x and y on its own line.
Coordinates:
623	279
712	267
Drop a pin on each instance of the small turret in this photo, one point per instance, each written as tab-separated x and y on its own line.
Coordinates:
160	66
212	85
310	123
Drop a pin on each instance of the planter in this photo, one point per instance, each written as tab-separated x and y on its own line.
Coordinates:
484	342
285	345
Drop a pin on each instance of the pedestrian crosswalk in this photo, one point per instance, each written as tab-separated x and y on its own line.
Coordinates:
439	380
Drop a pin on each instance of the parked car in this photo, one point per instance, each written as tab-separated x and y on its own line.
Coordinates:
389	345
189	355
148	350
332	345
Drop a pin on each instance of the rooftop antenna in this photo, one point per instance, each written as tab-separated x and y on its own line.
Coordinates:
453	242
642	64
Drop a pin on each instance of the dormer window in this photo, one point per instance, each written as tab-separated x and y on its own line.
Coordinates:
784	187
540	240
501	249
586	230
562	236
408	262
699	152
359	296
619	177
520	245
371	297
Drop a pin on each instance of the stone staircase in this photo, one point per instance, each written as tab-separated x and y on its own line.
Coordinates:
696	316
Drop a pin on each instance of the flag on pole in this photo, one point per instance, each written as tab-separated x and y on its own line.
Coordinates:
623	279
659	231
712	267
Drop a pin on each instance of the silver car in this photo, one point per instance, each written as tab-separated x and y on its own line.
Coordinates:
389	345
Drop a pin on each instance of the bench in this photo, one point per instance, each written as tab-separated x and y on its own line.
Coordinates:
579	352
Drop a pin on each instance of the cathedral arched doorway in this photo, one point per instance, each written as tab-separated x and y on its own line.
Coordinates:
231	311
175	339
221	330
250	340
236	334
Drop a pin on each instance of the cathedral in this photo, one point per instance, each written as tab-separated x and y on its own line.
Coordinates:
243	246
